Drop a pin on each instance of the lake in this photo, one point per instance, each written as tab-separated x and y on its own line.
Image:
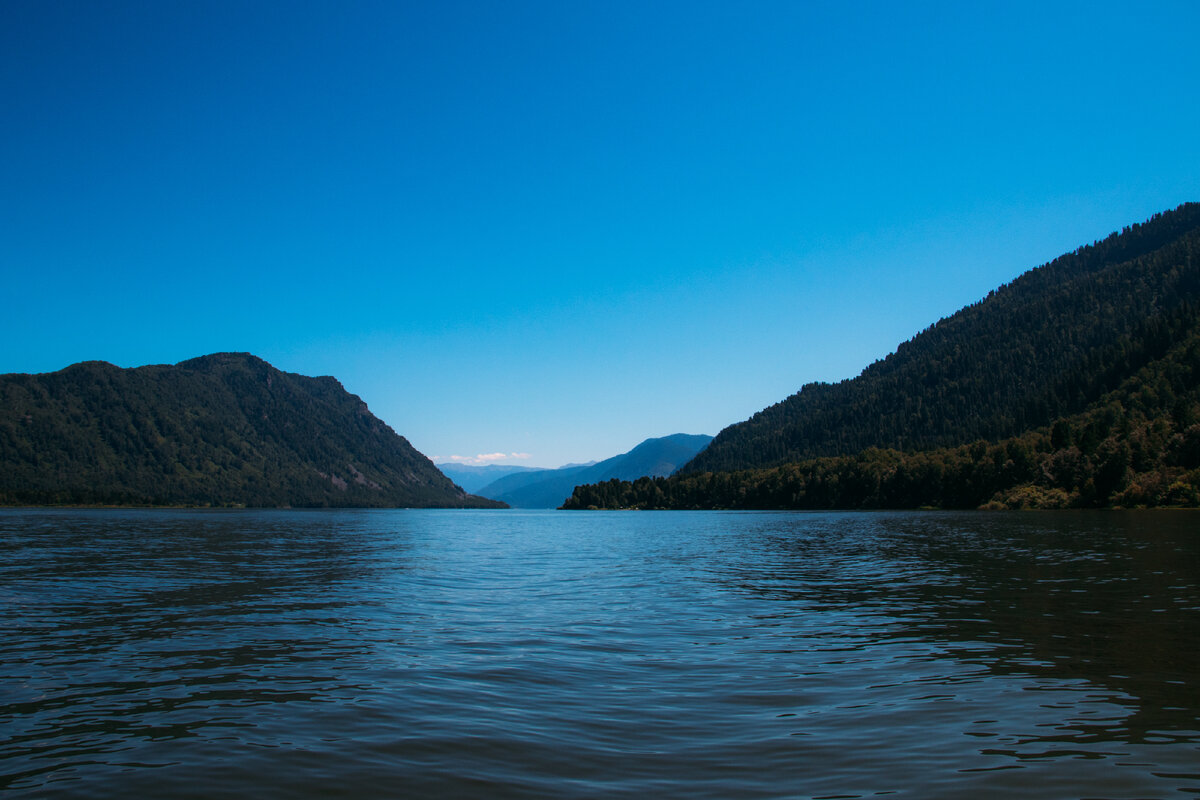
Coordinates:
599	654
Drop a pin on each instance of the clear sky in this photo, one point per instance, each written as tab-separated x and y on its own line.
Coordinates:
556	229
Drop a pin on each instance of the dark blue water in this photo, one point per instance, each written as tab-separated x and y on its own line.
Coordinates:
554	654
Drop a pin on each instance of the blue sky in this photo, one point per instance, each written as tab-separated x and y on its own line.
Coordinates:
556	229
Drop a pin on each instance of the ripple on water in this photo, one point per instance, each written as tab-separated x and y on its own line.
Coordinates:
529	654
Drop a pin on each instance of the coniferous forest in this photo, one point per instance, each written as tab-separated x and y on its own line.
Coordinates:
1076	385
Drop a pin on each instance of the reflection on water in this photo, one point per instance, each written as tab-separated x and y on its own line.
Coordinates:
1109	599
526	654
1097	614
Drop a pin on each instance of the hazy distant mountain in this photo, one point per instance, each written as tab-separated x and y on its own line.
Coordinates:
549	488
224	429
474	478
535	489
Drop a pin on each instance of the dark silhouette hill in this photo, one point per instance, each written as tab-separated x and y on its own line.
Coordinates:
224	429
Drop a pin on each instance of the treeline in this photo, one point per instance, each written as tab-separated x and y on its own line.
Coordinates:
1048	345
221	430
1139	446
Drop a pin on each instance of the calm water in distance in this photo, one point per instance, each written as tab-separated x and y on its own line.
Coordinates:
602	654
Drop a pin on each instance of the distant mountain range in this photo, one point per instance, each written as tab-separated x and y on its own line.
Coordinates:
549	488
1077	385
473	478
220	430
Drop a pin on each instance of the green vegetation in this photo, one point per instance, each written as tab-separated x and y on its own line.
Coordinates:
222	430
1140	446
1047	345
1075	386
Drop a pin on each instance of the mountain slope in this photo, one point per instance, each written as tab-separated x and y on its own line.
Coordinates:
1047	345
1138	446
549	488
224	429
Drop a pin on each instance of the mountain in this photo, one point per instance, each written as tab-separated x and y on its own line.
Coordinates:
224	429
474	478
1046	345
1076	385
543	488
549	488
1139	446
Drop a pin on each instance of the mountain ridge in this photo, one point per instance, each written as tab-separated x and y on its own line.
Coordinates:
220	429
1075	385
1082	323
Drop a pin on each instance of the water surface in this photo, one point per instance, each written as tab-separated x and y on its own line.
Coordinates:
614	654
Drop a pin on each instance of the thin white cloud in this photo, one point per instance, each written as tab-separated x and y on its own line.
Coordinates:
485	458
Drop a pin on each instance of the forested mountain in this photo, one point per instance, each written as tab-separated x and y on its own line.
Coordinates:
549	488
1091	397
1046	345
1138	446
224	429
474	478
